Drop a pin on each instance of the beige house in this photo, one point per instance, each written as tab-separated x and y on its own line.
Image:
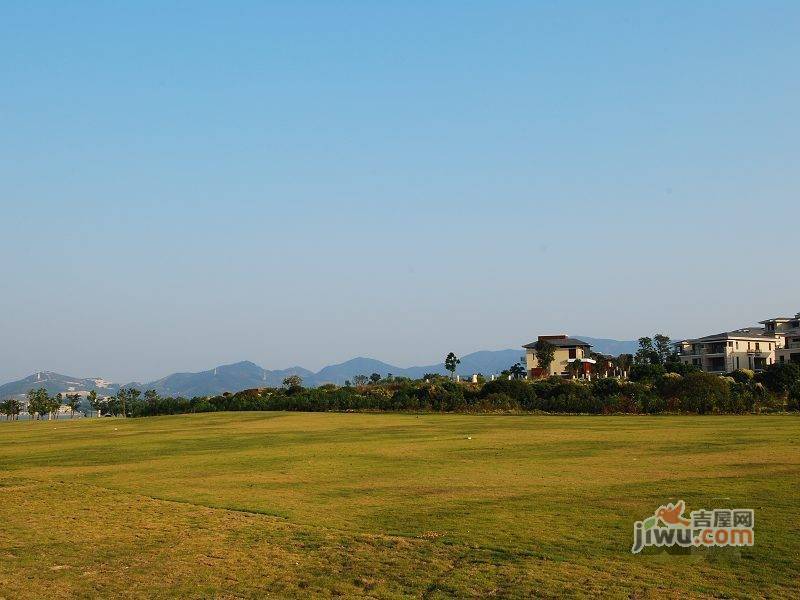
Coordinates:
748	348
567	350
787	337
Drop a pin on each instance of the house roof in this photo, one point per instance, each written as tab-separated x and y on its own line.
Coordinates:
744	332
566	342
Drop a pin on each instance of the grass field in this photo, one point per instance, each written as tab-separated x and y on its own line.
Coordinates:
250	505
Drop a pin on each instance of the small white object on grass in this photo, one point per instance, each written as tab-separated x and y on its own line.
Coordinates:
469	438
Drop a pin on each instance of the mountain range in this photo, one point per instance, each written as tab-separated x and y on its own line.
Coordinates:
244	375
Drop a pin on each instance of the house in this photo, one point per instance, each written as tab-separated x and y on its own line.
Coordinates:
567	350
787	336
747	348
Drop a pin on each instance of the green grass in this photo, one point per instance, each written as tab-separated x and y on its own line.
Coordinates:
249	505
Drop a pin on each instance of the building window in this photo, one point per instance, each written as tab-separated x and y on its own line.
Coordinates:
573	353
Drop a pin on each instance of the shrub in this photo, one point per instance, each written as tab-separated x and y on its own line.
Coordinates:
496	402
643	398
742	375
203	406
646	372
606	388
793	401
703	393
572	397
522	392
680	368
780	377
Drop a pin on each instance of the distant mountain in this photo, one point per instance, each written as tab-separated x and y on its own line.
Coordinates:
484	361
244	375
56	383
342	372
225	378
488	361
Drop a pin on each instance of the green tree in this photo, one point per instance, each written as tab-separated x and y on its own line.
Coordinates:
375	378
600	366
93	401
360	380
16	408
646	354
34	403
151	399
293	381
126	398
779	378
663	348
545	355
575	368
517	371
703	393
11	408
117	402
793	400
623	363
74	404
53	405
451	362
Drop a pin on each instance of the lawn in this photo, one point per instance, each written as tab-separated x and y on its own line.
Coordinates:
252	505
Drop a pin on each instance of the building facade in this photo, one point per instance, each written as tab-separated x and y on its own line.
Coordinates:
747	348
567	350
786	331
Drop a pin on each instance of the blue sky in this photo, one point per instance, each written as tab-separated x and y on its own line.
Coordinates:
188	184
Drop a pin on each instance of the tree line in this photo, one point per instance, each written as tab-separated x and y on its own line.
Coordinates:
776	389
653	381
40	404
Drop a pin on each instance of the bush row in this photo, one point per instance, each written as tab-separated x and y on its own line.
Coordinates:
776	389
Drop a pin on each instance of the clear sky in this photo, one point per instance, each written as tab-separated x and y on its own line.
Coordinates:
188	184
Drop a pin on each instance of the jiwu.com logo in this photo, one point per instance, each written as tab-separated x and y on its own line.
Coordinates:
703	528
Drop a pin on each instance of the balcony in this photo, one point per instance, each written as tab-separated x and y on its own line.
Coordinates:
722	351
716	365
759	352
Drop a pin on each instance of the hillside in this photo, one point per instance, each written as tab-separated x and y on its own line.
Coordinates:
56	383
224	378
